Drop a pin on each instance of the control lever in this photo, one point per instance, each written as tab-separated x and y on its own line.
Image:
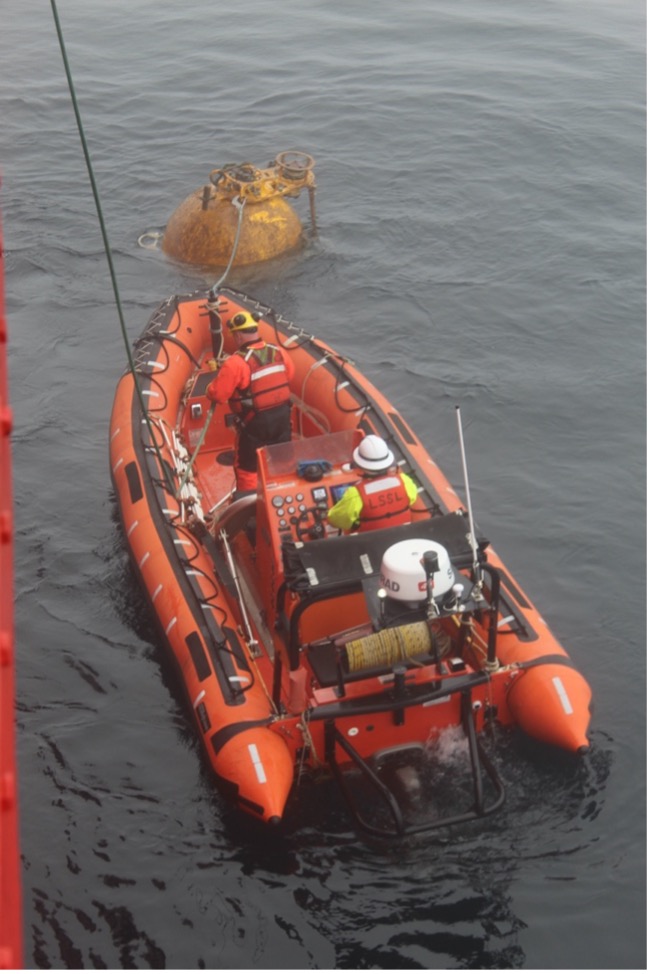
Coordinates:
431	565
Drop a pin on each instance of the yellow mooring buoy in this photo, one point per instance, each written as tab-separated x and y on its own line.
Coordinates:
242	210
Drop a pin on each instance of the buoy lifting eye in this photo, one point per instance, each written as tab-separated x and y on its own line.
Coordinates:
294	165
237	172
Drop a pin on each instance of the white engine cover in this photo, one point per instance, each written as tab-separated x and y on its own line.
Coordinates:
402	572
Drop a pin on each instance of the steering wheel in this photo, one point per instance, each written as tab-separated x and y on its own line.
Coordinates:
314	527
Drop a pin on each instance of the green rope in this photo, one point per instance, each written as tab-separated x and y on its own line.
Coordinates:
107	247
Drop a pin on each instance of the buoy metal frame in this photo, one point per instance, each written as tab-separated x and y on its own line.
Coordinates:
206	230
290	173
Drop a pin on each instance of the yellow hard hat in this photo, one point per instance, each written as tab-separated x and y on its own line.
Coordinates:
243	321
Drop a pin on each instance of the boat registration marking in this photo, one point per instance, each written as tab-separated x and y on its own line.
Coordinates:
376	486
171	625
562	694
257	763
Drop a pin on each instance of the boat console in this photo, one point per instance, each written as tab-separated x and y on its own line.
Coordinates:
299	481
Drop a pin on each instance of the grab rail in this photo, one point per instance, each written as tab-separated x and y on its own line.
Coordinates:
479	762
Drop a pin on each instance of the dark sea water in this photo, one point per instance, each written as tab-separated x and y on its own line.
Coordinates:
481	203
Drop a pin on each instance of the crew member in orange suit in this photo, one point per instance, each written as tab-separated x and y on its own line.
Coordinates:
254	380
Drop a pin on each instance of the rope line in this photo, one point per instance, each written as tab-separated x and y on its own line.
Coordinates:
102	225
240	203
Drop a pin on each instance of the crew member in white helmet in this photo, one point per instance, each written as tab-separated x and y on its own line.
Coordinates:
382	497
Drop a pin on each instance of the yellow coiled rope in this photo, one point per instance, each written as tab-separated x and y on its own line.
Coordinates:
391	646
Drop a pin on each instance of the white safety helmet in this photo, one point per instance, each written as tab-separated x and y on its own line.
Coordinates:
373	455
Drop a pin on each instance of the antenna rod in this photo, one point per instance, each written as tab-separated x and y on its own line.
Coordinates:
472	535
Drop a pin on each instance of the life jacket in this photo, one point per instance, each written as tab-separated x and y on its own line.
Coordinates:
268	385
385	502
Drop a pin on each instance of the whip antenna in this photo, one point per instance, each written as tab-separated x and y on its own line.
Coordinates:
472	535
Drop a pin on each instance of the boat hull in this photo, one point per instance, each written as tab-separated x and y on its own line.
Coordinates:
258	648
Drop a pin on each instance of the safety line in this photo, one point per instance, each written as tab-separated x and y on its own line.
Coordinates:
107	248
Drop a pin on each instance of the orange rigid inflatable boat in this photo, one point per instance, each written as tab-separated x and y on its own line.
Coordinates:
302	649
